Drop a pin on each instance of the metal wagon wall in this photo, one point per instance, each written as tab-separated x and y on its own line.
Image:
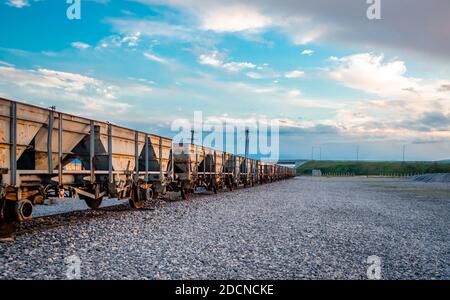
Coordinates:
45	153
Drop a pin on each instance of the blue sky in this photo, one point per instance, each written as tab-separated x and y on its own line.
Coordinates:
334	79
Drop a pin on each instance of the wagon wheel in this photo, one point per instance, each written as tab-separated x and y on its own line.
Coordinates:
7	228
184	194
92	203
230	186
23	210
38	199
137	199
2	218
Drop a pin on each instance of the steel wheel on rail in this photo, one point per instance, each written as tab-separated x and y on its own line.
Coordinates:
184	194
138	197
92	203
24	210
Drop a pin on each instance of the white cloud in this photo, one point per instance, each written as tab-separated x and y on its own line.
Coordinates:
80	45
45	78
294	74
337	22
216	59
237	66
155	58
91	95
6	63
264	72
152	29
18	3
308	52
370	73
406	105
294	93
130	40
233	18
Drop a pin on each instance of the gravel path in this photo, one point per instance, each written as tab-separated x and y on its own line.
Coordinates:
301	228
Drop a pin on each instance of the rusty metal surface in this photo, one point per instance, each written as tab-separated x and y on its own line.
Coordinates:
112	160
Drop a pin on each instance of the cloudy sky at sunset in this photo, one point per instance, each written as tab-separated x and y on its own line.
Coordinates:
332	77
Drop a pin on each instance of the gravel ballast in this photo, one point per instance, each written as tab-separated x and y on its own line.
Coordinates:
304	228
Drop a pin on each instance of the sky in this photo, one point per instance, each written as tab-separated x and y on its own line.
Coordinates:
334	79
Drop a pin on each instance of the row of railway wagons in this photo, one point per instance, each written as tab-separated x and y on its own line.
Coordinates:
39	148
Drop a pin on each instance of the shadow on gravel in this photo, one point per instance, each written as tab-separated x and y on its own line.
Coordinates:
74	217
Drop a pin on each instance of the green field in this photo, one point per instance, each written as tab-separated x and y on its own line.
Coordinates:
373	168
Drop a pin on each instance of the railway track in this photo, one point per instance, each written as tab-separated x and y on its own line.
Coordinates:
44	223
56	220
46	153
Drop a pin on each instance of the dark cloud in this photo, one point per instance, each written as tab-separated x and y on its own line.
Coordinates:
319	129
427	122
425	141
412	25
436	120
445	88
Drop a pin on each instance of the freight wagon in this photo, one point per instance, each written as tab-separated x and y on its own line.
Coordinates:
46	153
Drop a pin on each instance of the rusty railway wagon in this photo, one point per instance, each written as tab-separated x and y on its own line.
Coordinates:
39	146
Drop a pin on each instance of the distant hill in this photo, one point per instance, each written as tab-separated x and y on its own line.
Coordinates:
444	161
374	168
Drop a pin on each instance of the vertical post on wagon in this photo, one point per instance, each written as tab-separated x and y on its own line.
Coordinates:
13	140
51	120
110	164
60	154
92	151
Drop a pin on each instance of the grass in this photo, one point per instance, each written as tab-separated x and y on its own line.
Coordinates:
373	168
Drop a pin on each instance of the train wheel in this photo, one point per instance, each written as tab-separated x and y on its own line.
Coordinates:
38	199
184	194
2	211
24	210
147	194
93	203
137	201
136	204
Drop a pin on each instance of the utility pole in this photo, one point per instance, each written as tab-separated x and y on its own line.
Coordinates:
357	153
404	148
192	136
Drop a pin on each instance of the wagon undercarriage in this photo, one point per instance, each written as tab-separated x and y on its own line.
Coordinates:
45	153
